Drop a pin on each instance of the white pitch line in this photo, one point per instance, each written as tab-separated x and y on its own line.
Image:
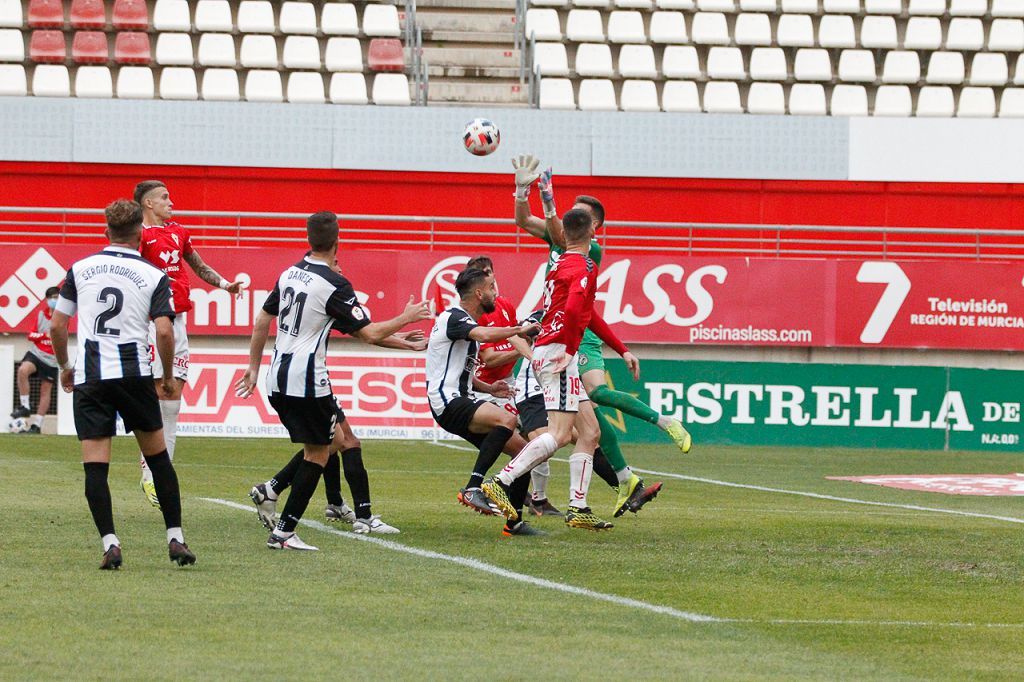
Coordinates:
637	604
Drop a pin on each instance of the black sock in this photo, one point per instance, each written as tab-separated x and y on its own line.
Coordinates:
283	478
490	450
358	481
97	493
165	480
518	491
303	486
603	469
332	480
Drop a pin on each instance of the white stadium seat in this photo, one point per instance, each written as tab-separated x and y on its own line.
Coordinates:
381	21
259	51
12	16
301	52
806	99
12	45
857	66
849	100
592	4
893	100
584	25
637	61
1007	8
759	5
841	6
901	67
766	98
298	17
946	68
256	16
339	19
836	30
346	54
217	49
639	95
634	4
174	49
722	97
675	4
135	82
543	24
680	96
12	80
753	28
883	6
878	32
551	59
965	34
51	80
214	15
923	33
680	61
1011	103
178	83
716	5
594	59
556	93
597	94
768	64
976	103
726	63
989	68
93	81
348	88
172	15
709	28
933	8
668	27
812	65
221	85
549	3
1006	35
794	30
626	26
800	6
263	86
305	87
968	8
935	102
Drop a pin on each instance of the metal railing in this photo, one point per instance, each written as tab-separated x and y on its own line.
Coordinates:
418	66
241	228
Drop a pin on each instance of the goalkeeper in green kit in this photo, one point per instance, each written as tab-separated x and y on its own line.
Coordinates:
591	361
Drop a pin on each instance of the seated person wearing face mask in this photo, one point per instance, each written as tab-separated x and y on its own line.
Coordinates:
38	360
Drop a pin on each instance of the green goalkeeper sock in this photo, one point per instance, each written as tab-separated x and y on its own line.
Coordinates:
610	443
624	402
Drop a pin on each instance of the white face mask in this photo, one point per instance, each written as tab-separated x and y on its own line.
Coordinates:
51	303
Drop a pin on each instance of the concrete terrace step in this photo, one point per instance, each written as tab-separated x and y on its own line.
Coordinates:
480	57
468	22
469	36
507	5
482	91
454	71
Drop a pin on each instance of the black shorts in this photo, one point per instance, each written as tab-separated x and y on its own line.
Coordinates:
309	421
456	418
532	415
45	371
98	403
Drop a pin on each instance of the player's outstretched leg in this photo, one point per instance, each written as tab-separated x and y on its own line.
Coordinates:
97	493
264	495
165	480
303	486
624	402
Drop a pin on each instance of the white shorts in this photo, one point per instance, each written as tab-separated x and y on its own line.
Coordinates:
507	404
562	391
180	363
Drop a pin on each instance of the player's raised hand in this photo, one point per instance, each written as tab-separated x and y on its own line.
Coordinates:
236	288
414	312
546	186
67	379
246	385
632	364
525	166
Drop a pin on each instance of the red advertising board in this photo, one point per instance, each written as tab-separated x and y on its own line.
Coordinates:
646	298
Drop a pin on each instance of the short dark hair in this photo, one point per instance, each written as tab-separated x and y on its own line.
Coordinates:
596	206
52	291
144	188
468	280
124	219
576	222
322	230
480	263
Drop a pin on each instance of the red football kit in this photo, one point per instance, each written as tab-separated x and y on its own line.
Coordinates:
166	247
504	315
569	291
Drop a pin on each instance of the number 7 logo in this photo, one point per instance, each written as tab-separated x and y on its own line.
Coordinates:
896	290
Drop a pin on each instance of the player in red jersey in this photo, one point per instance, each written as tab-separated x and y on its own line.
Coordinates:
569	301
167	245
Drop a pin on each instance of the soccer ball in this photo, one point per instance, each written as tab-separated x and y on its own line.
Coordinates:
17	425
481	137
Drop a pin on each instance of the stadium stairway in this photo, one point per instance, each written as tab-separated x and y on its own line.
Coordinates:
469	48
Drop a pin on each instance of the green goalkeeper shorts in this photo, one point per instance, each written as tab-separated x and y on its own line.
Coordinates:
590	353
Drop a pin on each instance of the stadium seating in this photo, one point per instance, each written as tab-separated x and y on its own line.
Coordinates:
90	47
47	46
381	21
213	15
46	14
174	49
130	15
346	54
173	15
639	95
221	85
339	19
93	81
51	80
12	45
132	47
256	16
135	82
391	89
303	52
348	88
259	51
88	14
637	61
594	59
13	81
298	17
178	83
597	94
217	49
11	16
680	96
306	87
766	98
386	54
557	93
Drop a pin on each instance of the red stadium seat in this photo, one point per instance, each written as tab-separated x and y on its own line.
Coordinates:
386	54
132	48
88	14
131	15
90	47
46	14
47	46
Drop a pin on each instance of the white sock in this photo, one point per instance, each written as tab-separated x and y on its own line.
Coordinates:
169	409
38	420
109	541
24	403
271	495
175	534
581	468
663	422
536	451
539	477
624	475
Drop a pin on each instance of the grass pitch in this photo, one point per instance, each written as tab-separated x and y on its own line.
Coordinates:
796	586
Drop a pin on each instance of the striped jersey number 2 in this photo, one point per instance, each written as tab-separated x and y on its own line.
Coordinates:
896	290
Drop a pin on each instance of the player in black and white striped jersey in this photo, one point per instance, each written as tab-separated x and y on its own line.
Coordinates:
309	299
115	294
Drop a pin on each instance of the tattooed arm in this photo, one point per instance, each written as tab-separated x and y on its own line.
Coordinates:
210	276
